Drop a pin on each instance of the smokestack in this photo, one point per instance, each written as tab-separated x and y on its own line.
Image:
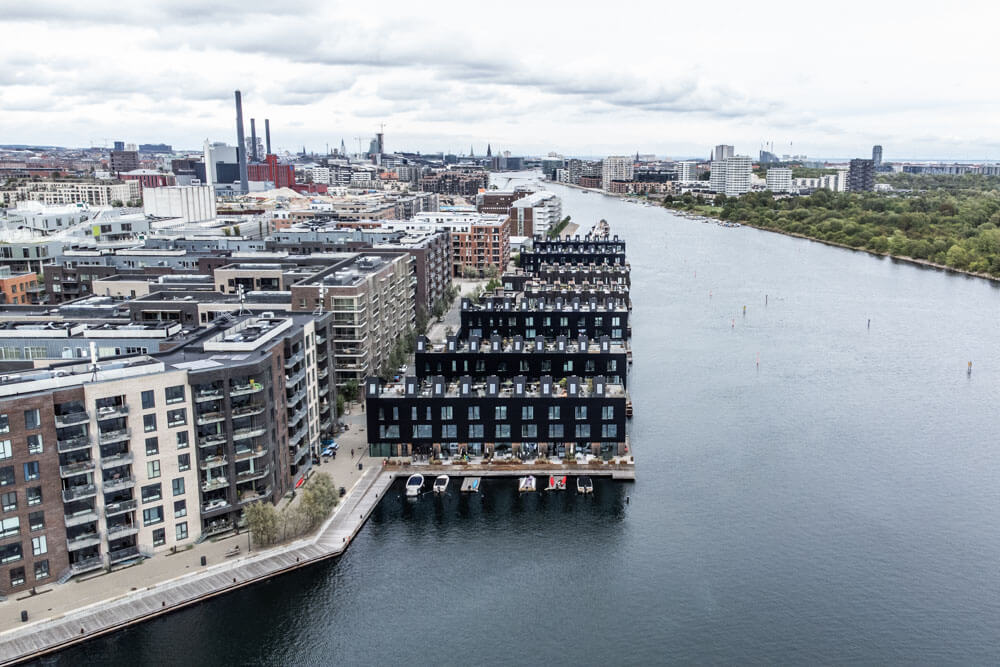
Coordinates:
267	134
241	144
253	139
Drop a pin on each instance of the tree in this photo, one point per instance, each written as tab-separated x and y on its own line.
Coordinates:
319	497
227	231
492	271
470	272
236	230
117	203
262	520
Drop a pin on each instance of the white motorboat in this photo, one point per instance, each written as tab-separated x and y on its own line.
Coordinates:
584	485
556	483
414	485
440	484
526	484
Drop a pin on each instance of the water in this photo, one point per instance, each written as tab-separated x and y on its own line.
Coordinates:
836	504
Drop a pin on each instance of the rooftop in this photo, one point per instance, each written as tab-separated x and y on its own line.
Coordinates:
493	387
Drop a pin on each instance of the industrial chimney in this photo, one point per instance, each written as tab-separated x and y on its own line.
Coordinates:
241	144
253	139
267	134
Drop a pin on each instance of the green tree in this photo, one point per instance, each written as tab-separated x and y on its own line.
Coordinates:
318	498
262	520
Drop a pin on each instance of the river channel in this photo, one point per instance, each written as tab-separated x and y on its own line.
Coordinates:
818	481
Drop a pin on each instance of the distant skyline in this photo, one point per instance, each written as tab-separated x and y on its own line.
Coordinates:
525	77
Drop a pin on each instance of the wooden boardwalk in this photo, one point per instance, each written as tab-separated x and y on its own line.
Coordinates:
622	472
34	639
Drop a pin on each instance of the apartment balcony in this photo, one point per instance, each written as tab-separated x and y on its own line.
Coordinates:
295	417
72	418
244	433
87	564
258	495
119	484
300	453
323	373
79	492
120	555
214	505
213	462
118	532
326	424
112	412
116	460
213	440
83	541
296	437
78	468
248	410
243	389
73	444
295	398
80	518
253	474
295	378
216	528
210	418
108	437
246	454
114	509
213	484
294	359
320	340
210	395
324	390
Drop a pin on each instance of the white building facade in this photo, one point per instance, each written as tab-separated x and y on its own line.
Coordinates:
616	168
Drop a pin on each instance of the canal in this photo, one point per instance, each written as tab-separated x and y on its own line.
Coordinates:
812	487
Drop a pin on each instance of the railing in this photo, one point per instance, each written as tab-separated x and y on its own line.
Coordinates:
208	395
112	509
80	518
211	440
213	462
72	444
241	389
324	390
246	410
217	528
117	532
250	453
253	474
300	452
79	492
72	418
323	373
123	554
115	460
295	378
294	359
296	397
297	436
114	436
87	564
213	505
120	483
259	495
78	468
111	412
210	418
244	433
83	541
216	483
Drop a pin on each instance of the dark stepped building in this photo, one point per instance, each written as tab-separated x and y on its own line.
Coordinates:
589	249
507	318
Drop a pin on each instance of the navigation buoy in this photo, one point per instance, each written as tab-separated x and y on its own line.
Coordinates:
744	311
969	372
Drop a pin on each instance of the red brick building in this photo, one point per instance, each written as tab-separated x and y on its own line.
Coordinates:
282	175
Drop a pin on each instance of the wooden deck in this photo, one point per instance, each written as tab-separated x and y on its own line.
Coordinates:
34	639
622	472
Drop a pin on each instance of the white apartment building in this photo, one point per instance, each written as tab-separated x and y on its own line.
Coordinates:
686	170
731	176
833	182
779	179
616	168
320	175
722	152
190	203
215	153
535	214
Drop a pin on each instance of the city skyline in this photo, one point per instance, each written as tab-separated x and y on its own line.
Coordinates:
525	81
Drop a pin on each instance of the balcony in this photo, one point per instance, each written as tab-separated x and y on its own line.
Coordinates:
294	359
73	444
296	397
213	462
216	528
210	418
250	453
295	417
295	378
325	371
108	437
80	518
253	474
320	340
119	484
248	410
78	468
118	532
120	555
243	389
83	541
114	509
115	460
112	412
72	418
210	395
324	390
212	440
87	564
300	452
257	495
244	433
214	505
215	483
79	492
296	437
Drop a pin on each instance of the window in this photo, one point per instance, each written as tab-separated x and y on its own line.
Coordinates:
148	423
182	440
612	365
152	446
36	521
41	569
180	508
152	515
581	412
609	431
32	419
391	431
583	430
553	412
446	412
555	431
10	527
4	424
35	443
473	412
476	431
413	413
16	576
503	430
31	471
501	412
176	417
178	486
151	493
449	431
6	475
608	412
159	537
181	530
175	394
8	501
422	431
183	462
153	469
527	412
10	553
148	401
38	546
34	495
529	431
5	449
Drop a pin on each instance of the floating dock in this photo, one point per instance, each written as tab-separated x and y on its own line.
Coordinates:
471	484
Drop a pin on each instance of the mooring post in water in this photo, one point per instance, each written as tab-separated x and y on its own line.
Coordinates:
869	323
969	372
765	299
744	311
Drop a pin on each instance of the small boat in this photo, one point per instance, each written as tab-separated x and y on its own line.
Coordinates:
584	485
414	485
526	484
556	483
440	484
470	485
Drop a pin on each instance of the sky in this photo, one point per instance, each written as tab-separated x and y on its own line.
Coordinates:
668	78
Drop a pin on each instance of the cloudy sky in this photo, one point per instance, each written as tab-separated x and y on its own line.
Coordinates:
817	78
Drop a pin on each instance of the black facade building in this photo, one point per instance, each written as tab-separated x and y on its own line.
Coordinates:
589	250
861	176
507	318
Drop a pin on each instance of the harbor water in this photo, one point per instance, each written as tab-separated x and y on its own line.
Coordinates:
812	488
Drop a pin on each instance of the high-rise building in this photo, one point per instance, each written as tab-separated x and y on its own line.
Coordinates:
731	176
861	175
722	152
122	161
616	168
686	170
877	156
119	145
779	179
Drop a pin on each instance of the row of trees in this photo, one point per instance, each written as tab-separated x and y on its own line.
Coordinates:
268	526
958	226
555	231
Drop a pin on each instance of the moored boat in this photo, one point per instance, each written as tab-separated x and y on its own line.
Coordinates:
584	485
414	485
526	484
440	484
